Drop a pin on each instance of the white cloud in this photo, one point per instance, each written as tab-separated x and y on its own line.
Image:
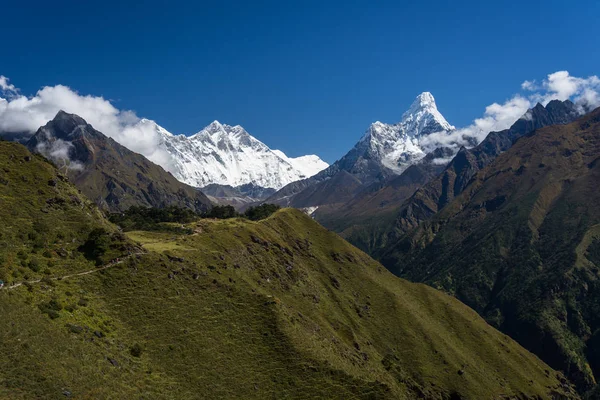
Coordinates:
497	117
58	151
21	114
585	92
529	85
561	85
5	86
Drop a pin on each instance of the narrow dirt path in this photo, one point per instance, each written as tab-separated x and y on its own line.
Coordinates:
91	271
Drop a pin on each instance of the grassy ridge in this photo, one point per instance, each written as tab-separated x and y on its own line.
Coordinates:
285	307
280	308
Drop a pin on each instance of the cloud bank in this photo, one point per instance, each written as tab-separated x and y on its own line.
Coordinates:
584	92
20	114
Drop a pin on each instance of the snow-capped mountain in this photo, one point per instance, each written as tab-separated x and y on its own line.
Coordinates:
384	151
228	155
397	146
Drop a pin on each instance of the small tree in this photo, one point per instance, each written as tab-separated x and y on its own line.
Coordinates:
136	350
97	243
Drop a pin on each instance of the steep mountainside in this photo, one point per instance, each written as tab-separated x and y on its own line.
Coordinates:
108	173
365	216
280	308
467	162
384	151
228	155
387	224
520	245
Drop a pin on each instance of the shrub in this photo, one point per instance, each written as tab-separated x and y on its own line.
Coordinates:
34	265
136	350
150	218
97	243
75	328
51	308
48	281
71	308
29	286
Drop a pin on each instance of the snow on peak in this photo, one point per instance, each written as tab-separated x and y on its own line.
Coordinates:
214	126
424	100
397	146
149	124
423	117
228	155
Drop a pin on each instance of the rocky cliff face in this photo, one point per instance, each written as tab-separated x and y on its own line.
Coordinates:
108	173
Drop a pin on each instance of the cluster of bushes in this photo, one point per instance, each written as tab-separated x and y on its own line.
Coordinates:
150	218
253	213
153	219
221	212
261	212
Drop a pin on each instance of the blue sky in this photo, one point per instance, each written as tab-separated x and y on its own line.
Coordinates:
302	76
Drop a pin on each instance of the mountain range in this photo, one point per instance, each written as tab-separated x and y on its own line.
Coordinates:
375	217
222	154
384	151
508	226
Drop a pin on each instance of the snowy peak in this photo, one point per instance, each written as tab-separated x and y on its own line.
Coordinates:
217	131
423	101
214	126
423	117
228	155
225	155
149	124
396	146
235	138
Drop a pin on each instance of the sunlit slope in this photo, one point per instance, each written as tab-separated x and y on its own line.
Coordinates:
280	308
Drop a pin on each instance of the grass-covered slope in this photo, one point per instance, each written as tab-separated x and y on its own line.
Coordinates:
520	246
44	220
280	308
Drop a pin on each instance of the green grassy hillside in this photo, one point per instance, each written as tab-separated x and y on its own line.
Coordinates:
520	245
280	308
44	219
